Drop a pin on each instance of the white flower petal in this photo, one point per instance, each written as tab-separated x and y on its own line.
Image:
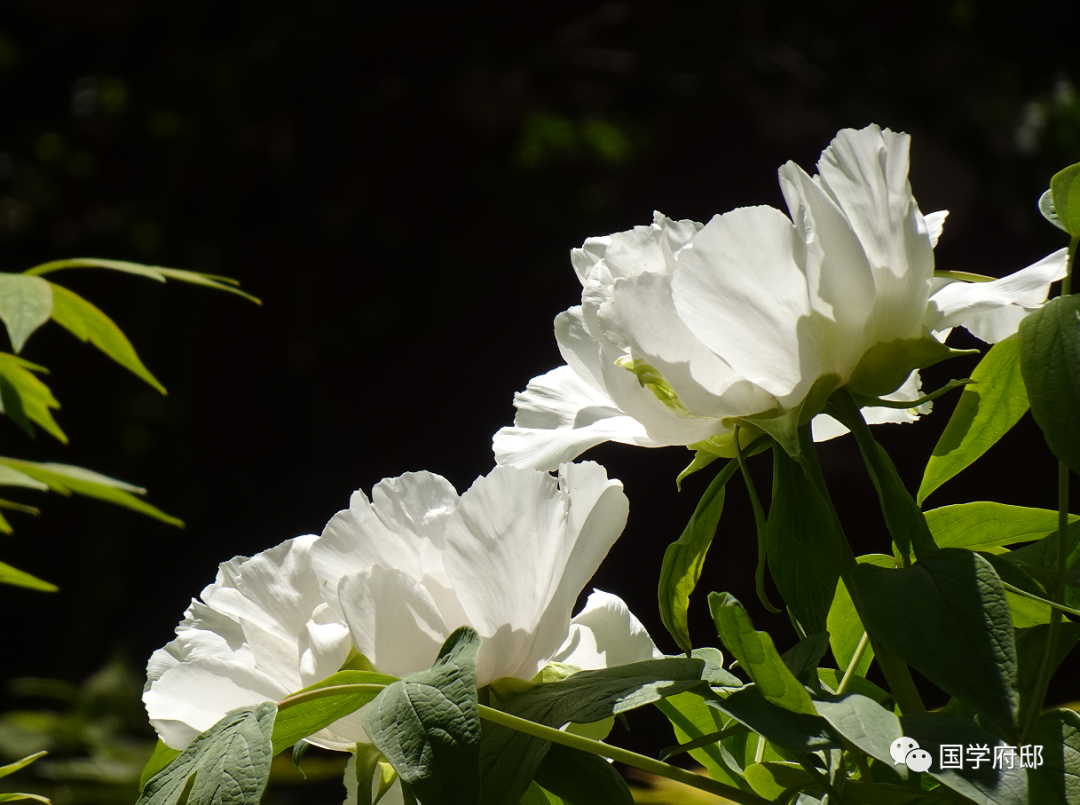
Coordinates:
605	634
393	619
935	223
534	545
558	418
993	310
740	291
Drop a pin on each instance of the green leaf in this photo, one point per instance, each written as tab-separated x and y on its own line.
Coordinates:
795	732
152	272
783	426
1046	207
772	778
25	305
1058	779
985	525
1065	192
903	517
988	408
885	366
535	795
803	658
803	544
24	398
67	479
87	323
1050	364
296	722
9	476
509	758
987	785
844	626
19	578
365	765
757	655
947	616
230	763
831	678
427	725
11	768
864	723
692	719
16	797
162	756
685	557
580	778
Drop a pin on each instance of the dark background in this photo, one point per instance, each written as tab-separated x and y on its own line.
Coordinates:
401	187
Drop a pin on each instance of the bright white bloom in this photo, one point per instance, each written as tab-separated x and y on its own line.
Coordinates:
683	326
508	557
260	632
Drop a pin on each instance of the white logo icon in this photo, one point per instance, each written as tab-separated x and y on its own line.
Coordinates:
906	750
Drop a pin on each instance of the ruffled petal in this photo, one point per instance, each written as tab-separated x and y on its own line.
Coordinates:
605	634
993	310
739	289
535	542
558	418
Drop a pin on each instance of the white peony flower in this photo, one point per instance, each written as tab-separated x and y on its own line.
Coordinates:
261	632
683	327
508	557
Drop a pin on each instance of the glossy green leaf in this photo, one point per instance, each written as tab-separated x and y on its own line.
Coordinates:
20	578
157	273
25	399
794	732
11	768
509	758
987	410
67	479
1003	786
87	323
772	778
1065	192
296	722
25	305
865	724
1046	207
580	778
903	517
427	725
757	655
685	557
985	525
230	763
947	616
845	628
1050	364
1057	780
804	544
693	719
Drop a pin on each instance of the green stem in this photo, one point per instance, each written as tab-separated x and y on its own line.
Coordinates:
1040	599
864	641
621	755
759	527
897	674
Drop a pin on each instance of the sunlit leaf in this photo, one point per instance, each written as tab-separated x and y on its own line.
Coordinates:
296	722
87	323
25	304
19	578
24	398
152	272
1065	191
11	768
988	408
67	479
1046	207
